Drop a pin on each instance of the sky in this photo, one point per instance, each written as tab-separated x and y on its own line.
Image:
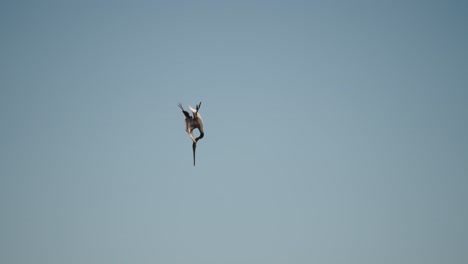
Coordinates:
335	132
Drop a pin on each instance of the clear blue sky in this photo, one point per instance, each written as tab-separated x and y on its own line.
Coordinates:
336	132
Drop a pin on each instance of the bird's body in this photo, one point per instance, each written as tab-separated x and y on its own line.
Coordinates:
191	123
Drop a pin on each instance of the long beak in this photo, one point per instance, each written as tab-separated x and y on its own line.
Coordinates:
194	146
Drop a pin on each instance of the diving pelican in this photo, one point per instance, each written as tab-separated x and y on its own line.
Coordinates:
191	123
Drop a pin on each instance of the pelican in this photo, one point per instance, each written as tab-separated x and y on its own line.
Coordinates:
191	123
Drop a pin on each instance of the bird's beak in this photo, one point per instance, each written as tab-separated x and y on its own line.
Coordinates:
194	146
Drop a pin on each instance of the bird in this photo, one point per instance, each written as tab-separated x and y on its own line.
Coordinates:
191	123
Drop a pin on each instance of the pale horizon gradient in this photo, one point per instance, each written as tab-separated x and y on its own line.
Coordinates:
335	132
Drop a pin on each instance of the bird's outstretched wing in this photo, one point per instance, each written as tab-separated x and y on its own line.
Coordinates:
183	111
